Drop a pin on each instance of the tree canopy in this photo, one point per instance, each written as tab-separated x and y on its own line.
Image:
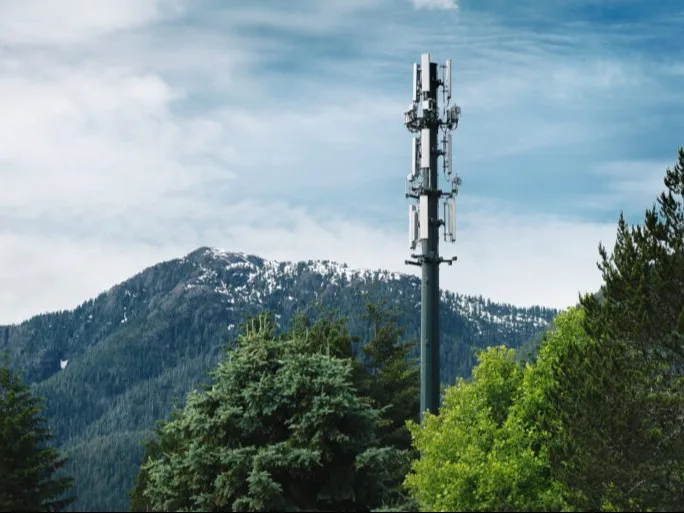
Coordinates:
28	466
281	427
483	453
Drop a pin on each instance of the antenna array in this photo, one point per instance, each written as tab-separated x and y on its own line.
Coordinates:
423	119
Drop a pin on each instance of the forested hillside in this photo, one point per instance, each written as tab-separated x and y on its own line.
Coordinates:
112	367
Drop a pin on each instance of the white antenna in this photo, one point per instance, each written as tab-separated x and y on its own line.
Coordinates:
415	149
425	72
450	219
425	148
423	223
447	80
413	226
416	85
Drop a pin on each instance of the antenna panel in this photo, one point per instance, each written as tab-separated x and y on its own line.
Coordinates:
423	221
413	226
416	85
447	80
425	148
415	148
451	218
425	72
448	166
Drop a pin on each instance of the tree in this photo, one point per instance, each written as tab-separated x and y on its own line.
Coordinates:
281	428
638	317
574	399
482	453
642	299
391	379
27	464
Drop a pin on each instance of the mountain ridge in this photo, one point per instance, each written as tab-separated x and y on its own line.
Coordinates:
153	337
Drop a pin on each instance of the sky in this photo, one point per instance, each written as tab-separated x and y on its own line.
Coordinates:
135	131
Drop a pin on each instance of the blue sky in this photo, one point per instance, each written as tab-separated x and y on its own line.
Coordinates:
135	131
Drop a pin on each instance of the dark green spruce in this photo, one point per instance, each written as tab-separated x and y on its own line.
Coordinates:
30	469
281	428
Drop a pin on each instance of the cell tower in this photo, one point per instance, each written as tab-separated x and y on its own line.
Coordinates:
423	119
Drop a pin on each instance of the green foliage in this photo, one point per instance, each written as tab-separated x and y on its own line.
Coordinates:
482	453
643	303
560	402
595	423
281	428
392	377
639	320
29	468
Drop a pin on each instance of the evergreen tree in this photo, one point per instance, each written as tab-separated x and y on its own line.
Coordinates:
642	299
27	464
638	317
391	379
280	429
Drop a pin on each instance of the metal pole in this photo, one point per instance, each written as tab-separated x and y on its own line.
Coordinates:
429	307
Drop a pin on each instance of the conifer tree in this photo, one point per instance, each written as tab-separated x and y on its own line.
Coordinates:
27	464
638	317
643	292
280	429
392	379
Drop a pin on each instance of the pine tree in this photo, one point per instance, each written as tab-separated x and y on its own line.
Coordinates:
643	291
392	379
27	464
638	317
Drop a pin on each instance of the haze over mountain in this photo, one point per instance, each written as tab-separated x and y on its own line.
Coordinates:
111	368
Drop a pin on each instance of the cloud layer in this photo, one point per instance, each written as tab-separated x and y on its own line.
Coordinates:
137	131
435	4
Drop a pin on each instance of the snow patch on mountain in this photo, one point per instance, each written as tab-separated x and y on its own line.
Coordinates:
239	278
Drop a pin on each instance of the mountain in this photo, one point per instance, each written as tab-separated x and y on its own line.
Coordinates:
112	367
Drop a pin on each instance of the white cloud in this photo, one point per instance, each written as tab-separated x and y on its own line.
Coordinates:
75	21
528	259
435	4
629	184
96	137
124	144
44	274
519	259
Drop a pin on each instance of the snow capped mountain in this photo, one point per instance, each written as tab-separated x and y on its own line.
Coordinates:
248	278
111	368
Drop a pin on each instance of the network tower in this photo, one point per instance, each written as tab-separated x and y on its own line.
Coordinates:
423	119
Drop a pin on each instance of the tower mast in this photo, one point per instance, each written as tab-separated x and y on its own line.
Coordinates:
422	184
